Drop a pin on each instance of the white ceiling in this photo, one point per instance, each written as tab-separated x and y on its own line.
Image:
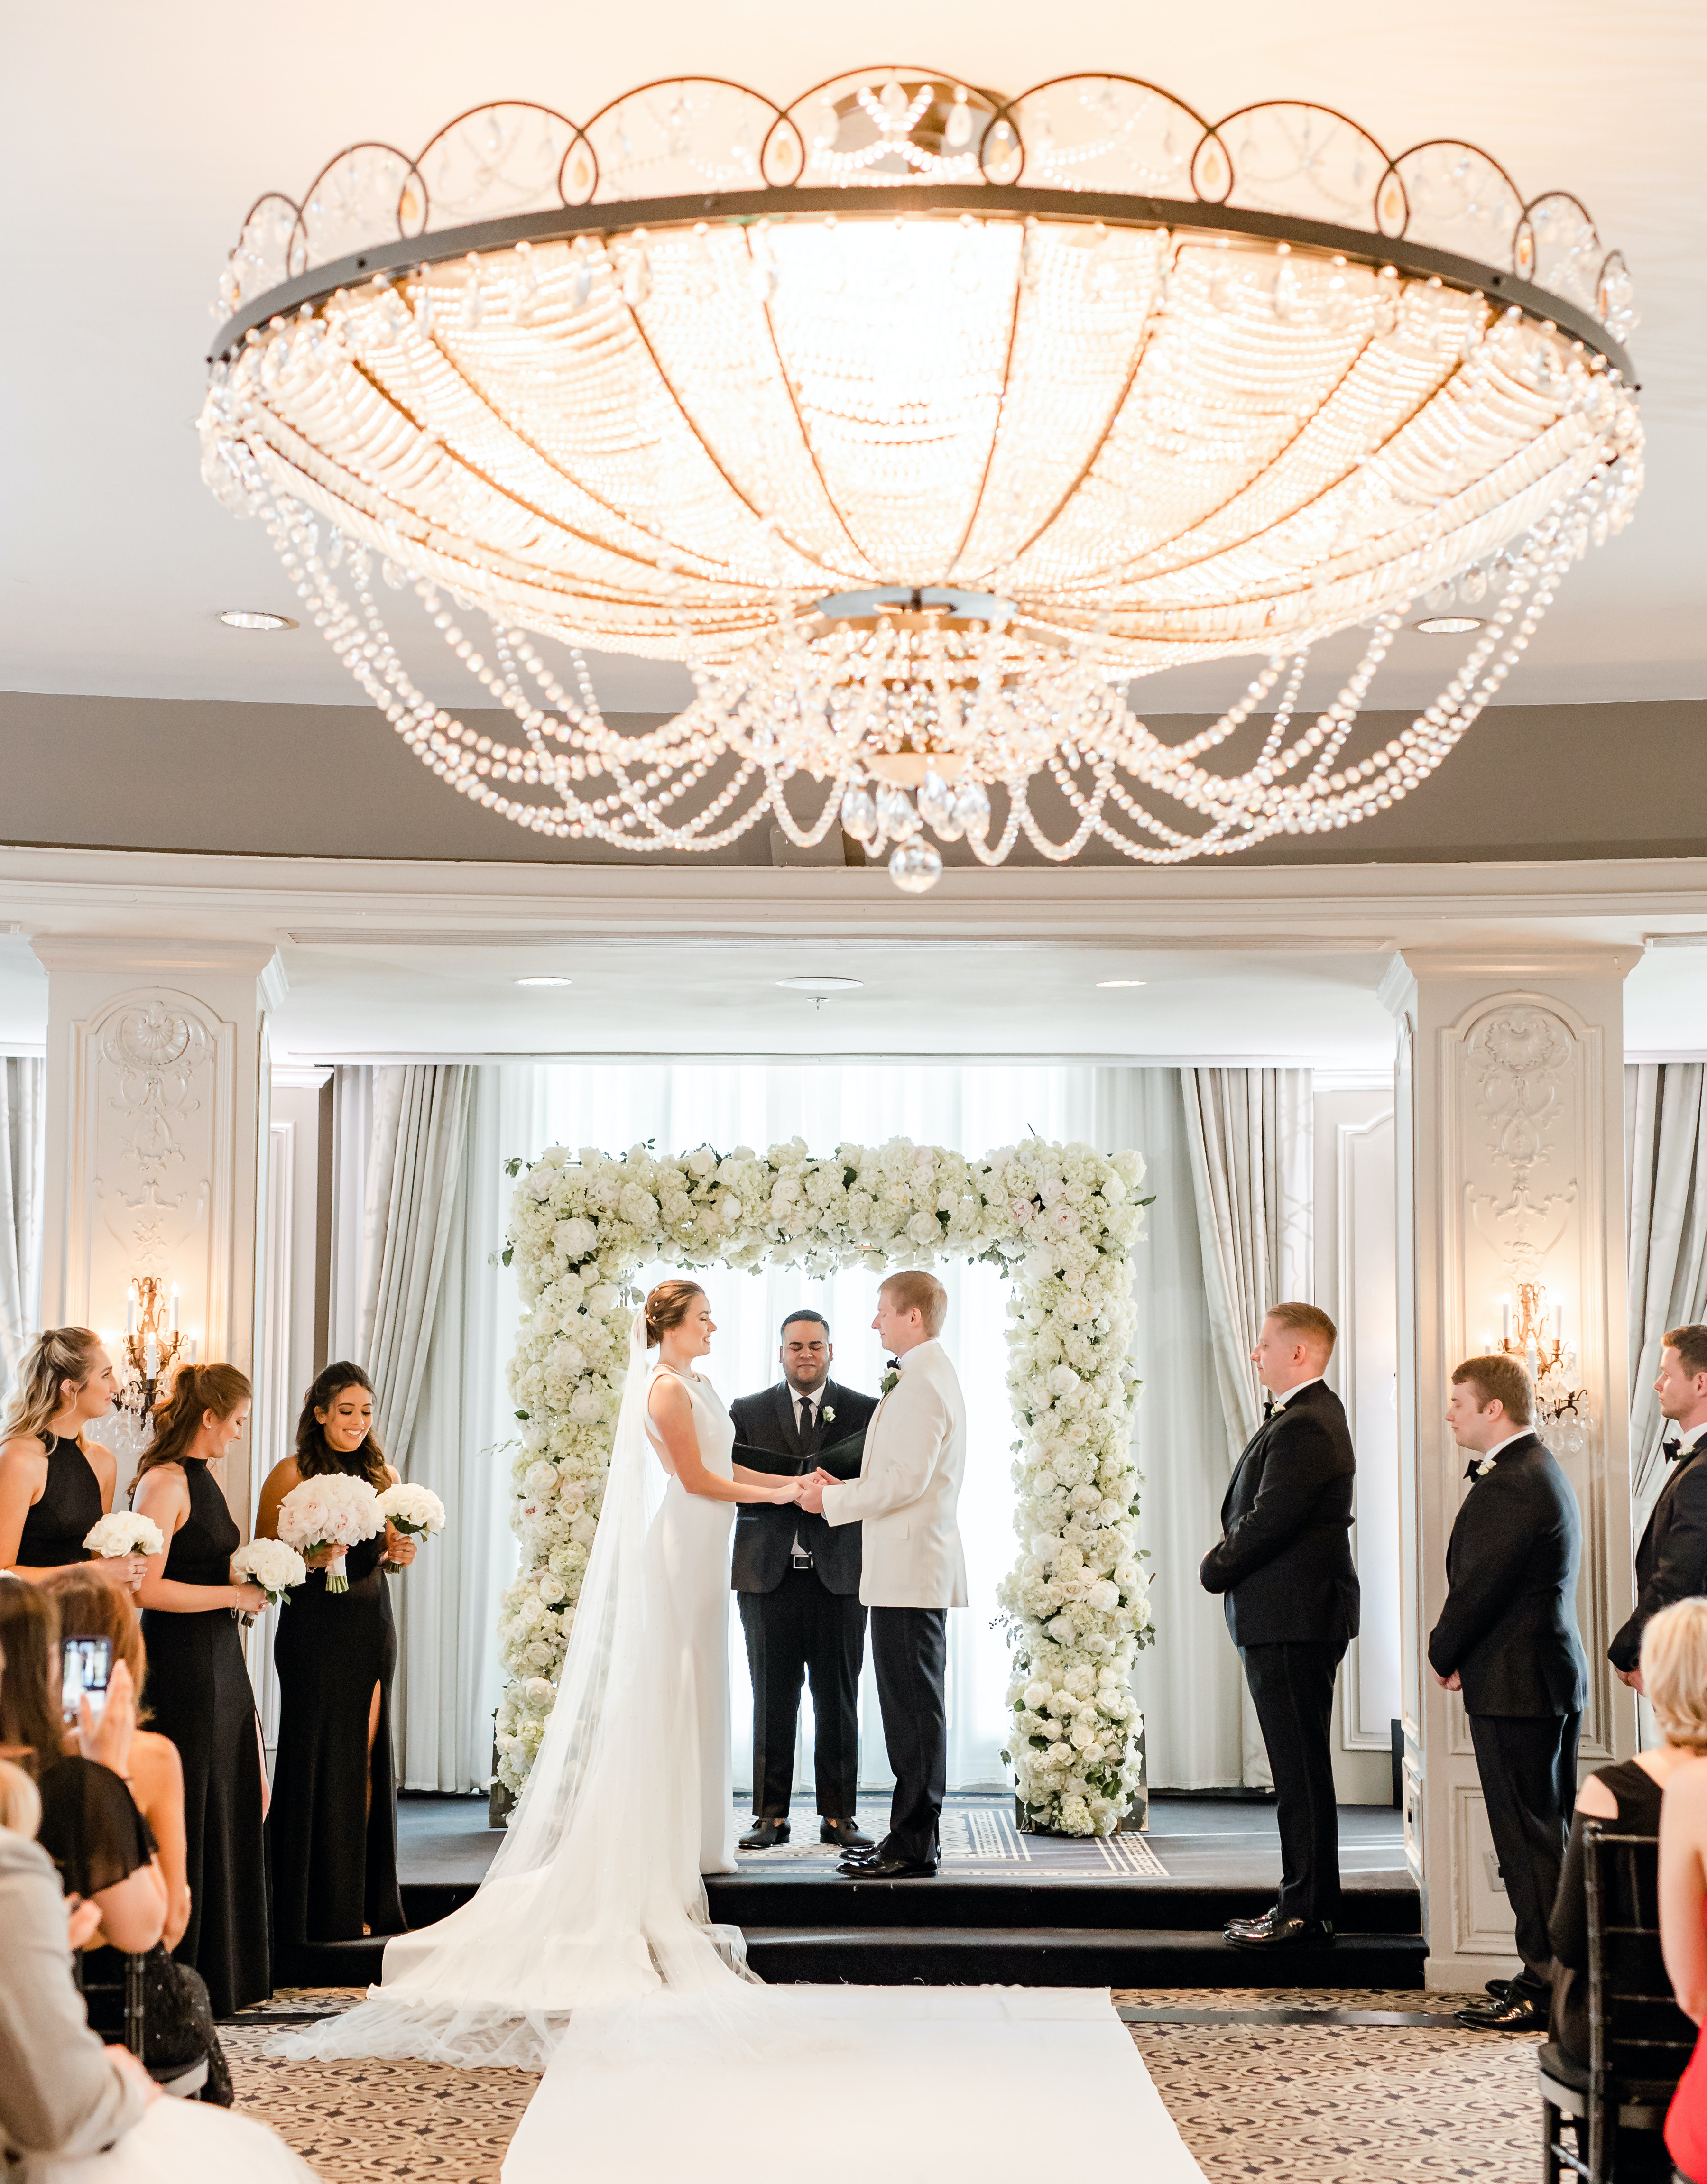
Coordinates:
135	138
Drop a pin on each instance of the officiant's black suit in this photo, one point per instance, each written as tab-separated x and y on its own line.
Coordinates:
1283	1563
1509	1632
1671	1561
801	1624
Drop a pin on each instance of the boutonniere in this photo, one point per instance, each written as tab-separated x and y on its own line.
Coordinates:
888	1380
829	1414
1482	1466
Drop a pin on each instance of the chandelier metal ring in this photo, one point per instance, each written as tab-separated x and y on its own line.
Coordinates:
919	434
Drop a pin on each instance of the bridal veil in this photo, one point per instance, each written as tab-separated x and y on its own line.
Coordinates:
595	1898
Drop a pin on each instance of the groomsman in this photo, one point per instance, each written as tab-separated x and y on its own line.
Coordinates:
798	1583
1507	1639
1671	1561
1284	1563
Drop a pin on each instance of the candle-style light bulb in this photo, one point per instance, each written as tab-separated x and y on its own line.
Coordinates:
131	1310
174	1307
1505	1321
150	1356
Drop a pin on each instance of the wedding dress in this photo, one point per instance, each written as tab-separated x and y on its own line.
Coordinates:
589	1951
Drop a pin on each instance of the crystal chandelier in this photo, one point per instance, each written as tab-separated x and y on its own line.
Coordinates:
922	424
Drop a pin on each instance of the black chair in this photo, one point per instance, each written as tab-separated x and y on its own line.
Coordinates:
1640	2041
182	2081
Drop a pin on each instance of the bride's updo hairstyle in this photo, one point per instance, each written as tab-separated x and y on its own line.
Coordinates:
667	1307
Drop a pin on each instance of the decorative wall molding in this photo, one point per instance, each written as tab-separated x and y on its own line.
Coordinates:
1366	1259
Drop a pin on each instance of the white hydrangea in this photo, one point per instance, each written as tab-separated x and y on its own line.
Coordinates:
1059	1219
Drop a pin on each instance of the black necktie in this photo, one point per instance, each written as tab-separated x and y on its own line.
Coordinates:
807	1419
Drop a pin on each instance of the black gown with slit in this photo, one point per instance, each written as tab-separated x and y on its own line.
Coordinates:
199	1695
56	1527
334	1854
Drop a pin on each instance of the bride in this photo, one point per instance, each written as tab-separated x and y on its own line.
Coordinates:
596	1897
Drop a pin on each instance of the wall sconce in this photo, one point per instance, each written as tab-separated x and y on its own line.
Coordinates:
154	1347
1562	1409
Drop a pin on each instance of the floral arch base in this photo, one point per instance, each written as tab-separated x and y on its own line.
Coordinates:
1059	1219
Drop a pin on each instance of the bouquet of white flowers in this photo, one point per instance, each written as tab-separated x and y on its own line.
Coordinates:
415	1509
273	1565
333	1511
124	1533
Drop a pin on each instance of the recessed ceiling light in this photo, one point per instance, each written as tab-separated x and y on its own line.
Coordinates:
544	982
821	986
1448	625
255	618
1102	982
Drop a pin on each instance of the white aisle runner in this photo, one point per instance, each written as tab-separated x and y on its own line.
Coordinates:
903	2084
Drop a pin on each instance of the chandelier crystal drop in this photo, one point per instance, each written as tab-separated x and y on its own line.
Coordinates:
922	426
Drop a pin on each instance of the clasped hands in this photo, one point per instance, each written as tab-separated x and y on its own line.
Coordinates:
808	1492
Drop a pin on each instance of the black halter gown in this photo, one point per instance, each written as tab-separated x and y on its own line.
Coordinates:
199	1695
334	1854
55	1528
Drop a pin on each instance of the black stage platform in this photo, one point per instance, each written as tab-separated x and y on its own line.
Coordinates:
1133	1911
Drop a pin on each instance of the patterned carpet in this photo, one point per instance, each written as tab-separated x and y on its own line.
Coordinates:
1280	2103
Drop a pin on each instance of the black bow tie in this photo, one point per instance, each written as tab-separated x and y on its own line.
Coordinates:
1472	1469
1269	1408
891	1365
1671	1450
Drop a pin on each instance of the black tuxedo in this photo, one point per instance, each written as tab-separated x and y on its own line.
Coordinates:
801	1622
1671	1561
1508	1630
1283	1563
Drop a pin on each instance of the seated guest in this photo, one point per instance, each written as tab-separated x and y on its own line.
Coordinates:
1626	1796
64	2098
178	2019
90	1824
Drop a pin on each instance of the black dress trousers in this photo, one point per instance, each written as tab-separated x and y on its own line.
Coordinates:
802	1631
1292	1690
909	1650
1528	1769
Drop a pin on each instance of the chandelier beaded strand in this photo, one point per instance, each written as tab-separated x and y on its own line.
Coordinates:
920	485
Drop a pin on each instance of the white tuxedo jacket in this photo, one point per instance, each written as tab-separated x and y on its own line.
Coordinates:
908	1488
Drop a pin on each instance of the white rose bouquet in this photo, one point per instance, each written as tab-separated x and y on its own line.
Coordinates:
333	1511
414	1509
124	1533
272	1564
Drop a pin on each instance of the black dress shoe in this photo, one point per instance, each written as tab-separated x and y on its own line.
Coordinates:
1517	2012
1257	1925
766	1835
885	1869
1274	1931
1499	1989
845	1835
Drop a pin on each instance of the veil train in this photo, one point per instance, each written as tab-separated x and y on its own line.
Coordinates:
595	1898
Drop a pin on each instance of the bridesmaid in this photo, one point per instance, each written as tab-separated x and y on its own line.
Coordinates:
54	1484
198	1684
334	1829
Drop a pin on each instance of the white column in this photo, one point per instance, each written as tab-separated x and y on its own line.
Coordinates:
158	1090
1510	1168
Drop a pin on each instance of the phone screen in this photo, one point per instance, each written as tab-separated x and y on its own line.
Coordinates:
87	1664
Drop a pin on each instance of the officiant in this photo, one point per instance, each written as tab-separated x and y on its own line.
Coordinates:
798	1582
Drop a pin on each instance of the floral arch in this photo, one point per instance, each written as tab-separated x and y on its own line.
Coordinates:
1060	1219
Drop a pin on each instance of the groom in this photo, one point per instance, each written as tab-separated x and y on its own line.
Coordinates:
914	1570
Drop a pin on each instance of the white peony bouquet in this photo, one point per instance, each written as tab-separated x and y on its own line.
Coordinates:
272	1564
333	1511
124	1533
414	1509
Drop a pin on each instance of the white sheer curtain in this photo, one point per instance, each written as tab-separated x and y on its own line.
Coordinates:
1666	1169
23	1151
1188	1682
446	1610
971	1109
